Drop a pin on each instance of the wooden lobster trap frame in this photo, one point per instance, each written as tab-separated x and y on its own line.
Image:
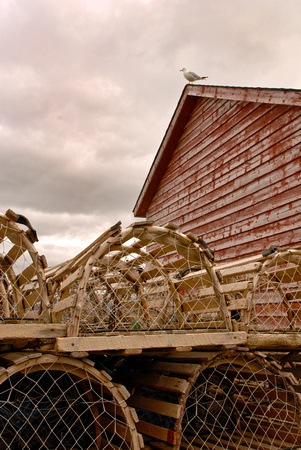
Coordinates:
147	290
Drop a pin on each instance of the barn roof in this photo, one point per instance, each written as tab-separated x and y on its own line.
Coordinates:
189	97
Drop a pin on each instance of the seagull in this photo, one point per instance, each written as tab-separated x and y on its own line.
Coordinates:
191	76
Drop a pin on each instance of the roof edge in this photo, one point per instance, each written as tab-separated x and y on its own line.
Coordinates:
184	107
277	96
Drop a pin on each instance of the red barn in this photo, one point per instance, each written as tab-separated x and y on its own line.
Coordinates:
228	169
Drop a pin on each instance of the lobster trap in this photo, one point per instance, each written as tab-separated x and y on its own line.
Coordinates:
155	302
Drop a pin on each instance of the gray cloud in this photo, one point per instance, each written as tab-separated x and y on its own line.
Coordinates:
87	89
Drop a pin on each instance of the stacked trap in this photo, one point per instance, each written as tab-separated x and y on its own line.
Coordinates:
143	340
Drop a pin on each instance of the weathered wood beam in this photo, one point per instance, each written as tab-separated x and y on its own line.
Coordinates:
32	331
274	341
148	341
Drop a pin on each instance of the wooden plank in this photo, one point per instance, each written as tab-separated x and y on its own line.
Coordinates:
268	190
240	270
206	305
269	412
188	356
189	151
211	198
241	153
217	138
31	331
26	275
211	162
157	445
160	382
175	368
18	357
157	406
32	298
274	341
281	433
62	305
207	442
286	275
160	433
264	95
147	341
236	221
266	439
15	252
239	286
238	304
72	278
271	395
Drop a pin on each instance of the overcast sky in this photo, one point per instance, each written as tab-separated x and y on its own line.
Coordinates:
88	87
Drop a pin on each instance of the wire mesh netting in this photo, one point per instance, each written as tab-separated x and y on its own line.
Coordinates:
145	279
241	402
148	278
58	403
23	291
155	278
276	294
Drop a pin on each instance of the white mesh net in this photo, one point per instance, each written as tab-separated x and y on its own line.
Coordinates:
151	279
60	405
23	292
241	402
277	293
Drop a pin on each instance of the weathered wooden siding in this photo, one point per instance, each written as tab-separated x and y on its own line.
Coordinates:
234	177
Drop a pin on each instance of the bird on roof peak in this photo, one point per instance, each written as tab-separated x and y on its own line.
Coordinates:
191	76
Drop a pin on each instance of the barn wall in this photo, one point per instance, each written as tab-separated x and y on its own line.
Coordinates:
234	177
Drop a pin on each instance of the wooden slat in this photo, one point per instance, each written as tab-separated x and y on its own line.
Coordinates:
14	253
287	415
62	305
160	433
195	282
220	136
265	441
202	443
175	368
287	275
18	357
32	298
72	278
26	275
161	382
219	168
195	356
208	156
156	445
31	331
154	341
271	395
157	406
274	341
240	270
206	305
263	428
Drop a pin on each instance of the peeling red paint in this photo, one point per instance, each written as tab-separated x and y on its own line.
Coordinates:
233	174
